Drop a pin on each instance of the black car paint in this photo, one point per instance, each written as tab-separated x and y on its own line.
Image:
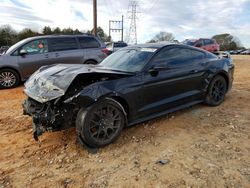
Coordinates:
143	95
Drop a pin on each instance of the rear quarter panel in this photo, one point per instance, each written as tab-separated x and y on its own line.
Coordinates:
221	66
94	54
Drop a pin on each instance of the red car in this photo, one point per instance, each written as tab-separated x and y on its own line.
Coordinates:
207	44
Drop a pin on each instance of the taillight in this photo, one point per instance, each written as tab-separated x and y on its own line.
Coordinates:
106	51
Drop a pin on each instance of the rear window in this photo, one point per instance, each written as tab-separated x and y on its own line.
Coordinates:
61	44
208	41
88	42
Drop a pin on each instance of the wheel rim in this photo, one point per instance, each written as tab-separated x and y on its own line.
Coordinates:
218	91
105	123
7	79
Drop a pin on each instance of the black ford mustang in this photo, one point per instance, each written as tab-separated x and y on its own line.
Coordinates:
132	85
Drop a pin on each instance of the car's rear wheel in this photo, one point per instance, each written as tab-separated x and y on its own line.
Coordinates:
90	62
8	78
101	123
216	91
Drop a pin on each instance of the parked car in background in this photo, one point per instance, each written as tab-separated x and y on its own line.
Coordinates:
245	52
222	54
28	55
236	52
3	49
207	44
130	86
232	52
114	46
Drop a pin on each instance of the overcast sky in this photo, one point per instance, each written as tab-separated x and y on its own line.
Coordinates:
185	19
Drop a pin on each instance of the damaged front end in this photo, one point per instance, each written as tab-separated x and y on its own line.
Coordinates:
55	94
50	116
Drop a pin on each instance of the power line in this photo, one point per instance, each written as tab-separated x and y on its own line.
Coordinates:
153	5
116	26
132	36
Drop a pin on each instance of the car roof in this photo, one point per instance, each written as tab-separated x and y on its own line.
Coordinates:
198	39
59	36
160	45
151	45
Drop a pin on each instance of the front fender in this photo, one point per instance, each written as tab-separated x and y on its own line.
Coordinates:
90	95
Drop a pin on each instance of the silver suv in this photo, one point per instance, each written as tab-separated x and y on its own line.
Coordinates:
28	55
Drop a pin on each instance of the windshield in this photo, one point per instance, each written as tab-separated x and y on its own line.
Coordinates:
128	60
16	46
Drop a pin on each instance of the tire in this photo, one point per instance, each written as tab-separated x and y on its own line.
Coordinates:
101	123
9	78
90	62
216	91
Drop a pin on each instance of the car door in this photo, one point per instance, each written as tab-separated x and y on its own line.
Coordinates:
173	78
65	50
36	55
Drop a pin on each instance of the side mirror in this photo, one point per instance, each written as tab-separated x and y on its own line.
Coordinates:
157	68
23	52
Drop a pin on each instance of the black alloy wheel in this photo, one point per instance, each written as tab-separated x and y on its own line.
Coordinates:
101	123
217	91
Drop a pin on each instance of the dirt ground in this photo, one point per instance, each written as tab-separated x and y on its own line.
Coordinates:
201	147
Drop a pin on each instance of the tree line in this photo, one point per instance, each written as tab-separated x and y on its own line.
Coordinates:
9	36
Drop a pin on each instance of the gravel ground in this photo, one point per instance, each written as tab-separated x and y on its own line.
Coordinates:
197	147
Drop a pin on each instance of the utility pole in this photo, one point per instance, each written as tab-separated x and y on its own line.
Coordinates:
116	26
122	27
95	17
132	36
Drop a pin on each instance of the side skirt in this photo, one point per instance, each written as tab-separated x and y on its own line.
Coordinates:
141	120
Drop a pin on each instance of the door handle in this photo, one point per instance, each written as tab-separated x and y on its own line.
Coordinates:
46	56
57	55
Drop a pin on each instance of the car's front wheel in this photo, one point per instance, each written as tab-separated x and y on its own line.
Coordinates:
101	123
8	78
216	91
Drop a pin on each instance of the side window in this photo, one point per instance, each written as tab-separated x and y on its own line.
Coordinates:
62	44
211	56
88	42
177	57
199	43
165	56
197	55
35	47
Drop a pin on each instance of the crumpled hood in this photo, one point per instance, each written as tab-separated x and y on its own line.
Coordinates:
51	82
